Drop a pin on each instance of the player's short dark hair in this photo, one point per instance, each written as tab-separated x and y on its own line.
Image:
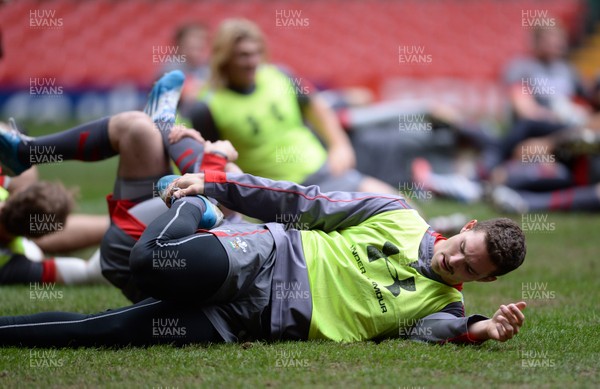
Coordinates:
505	243
37	210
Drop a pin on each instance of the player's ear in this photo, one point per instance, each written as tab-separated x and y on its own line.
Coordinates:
487	279
469	226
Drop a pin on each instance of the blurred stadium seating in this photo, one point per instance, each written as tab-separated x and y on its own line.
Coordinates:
103	43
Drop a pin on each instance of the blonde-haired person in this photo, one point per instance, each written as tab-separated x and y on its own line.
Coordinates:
262	110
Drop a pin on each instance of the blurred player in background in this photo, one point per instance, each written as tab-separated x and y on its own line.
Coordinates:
140	142
262	110
549	160
192	43
39	210
552	152
35	220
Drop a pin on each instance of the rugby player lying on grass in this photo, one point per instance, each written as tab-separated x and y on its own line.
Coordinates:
364	266
345	266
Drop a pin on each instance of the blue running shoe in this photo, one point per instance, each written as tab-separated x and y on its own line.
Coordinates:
10	139
163	99
212	216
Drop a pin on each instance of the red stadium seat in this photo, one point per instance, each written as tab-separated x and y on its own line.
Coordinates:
345	43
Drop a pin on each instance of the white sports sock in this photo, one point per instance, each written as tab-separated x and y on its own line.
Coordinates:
74	271
456	186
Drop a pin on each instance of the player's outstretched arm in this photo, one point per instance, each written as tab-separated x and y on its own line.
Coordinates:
324	121
506	323
268	200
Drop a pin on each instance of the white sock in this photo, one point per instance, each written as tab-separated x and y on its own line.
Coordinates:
74	271
456	186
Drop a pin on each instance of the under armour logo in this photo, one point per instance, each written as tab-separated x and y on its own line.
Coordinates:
386	251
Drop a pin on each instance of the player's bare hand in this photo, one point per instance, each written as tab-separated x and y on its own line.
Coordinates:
221	147
178	132
341	159
506	322
186	185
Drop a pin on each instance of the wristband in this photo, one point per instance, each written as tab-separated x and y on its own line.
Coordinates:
219	153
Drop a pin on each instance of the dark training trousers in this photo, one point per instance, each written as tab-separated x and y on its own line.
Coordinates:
177	267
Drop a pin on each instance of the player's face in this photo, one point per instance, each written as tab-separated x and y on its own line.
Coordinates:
241	68
553	44
463	257
194	47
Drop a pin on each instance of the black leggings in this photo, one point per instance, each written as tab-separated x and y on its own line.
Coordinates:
146	323
171	263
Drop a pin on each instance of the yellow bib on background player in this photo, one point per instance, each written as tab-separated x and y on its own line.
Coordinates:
266	128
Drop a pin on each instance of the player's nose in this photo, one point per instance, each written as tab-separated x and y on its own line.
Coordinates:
455	260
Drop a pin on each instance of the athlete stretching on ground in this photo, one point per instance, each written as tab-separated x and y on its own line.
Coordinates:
352	266
366	267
